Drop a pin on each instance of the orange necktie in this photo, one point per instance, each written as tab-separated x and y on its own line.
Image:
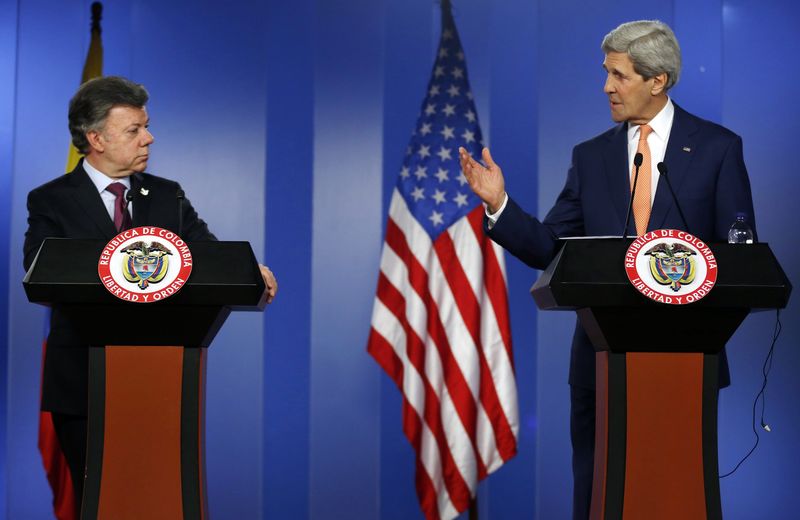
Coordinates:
641	199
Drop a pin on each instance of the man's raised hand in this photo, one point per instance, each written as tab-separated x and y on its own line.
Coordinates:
486	181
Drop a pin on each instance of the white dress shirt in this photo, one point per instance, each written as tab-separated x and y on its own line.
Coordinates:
101	181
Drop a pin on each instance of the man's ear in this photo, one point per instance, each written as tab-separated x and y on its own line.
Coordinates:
96	141
659	84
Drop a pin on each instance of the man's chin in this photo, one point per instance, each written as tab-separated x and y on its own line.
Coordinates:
139	167
617	117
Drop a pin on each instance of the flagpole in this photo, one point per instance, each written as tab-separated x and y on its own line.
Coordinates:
473	508
97	15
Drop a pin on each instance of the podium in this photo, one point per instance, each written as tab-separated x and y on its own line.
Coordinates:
657	373
145	452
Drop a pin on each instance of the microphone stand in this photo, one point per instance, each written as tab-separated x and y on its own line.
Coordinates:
637	163
662	169
180	195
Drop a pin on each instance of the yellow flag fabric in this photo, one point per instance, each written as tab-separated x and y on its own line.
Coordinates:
93	68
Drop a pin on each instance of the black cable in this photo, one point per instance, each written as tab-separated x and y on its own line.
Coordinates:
765	369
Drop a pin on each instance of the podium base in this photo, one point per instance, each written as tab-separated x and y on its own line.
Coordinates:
656	437
145	433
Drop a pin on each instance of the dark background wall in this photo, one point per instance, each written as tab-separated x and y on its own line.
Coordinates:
286	123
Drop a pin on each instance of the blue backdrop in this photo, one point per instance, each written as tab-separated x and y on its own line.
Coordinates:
286	122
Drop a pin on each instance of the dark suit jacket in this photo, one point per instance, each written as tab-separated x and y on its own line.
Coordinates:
71	207
707	171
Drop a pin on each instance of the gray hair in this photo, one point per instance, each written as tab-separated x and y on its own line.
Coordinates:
89	107
652	47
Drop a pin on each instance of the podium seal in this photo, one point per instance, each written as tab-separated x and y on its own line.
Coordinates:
145	264
671	266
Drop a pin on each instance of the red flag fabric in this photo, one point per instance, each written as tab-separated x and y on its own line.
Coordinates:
55	465
440	324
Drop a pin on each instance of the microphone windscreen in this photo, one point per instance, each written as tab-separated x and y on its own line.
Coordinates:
637	159
662	168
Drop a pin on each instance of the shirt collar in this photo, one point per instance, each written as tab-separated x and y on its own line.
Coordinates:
661	123
100	180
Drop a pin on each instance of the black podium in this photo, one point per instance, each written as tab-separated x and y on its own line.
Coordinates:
145	456
657	373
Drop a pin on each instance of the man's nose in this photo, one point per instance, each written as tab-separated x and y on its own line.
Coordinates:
148	138
608	88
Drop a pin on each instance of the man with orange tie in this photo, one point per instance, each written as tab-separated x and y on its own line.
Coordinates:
706	169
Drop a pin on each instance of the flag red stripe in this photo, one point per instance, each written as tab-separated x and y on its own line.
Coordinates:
469	307
426	490
455	381
496	291
495	285
493	280
454	481
384	354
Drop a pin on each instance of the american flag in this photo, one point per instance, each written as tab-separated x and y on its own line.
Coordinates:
440	325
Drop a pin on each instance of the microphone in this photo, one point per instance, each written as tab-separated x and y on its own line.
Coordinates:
180	195
128	200
662	170
637	163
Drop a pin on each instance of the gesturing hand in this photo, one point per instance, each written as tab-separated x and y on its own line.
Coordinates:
486	181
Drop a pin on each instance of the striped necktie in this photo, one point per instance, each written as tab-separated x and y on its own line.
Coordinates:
641	199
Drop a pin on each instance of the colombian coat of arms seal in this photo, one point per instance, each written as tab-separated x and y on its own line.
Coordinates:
671	266
145	264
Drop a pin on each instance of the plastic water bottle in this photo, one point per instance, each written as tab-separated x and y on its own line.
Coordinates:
740	232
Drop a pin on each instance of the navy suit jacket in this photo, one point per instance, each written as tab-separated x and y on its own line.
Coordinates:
71	207
707	172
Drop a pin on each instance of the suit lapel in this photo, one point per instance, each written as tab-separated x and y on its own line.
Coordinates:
141	200
615	158
680	148
85	194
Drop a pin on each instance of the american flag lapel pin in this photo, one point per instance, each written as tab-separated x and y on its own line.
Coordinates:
145	192
687	149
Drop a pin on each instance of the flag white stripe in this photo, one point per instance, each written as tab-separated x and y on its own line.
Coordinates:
396	272
456	436
386	324
507	393
500	254
429	455
468	251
